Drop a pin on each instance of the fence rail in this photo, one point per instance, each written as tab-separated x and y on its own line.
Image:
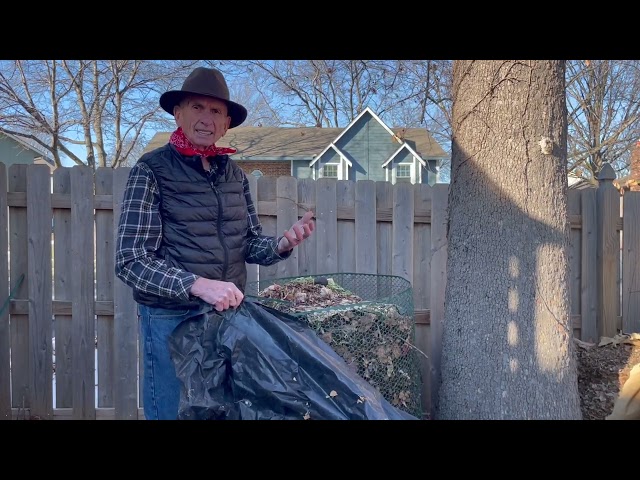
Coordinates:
68	330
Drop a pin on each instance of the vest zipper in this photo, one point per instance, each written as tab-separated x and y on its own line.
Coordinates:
225	248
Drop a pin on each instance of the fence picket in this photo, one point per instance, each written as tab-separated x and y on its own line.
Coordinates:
307	250
422	249
439	224
574	253
365	227
287	215
127	362
267	193
252	268
40	315
82	293
346	228
384	231
61	282
19	323
104	289
631	264
5	291
589	269
402	225
327	226
422	283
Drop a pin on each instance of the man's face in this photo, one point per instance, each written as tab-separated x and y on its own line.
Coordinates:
204	120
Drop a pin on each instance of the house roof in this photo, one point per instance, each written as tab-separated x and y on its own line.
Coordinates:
283	143
360	115
404	146
28	145
333	147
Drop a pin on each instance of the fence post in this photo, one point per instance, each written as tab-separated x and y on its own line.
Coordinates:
608	201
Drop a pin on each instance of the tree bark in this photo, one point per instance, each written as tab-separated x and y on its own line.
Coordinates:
507	347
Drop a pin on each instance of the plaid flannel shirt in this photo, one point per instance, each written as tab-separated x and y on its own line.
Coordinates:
140	235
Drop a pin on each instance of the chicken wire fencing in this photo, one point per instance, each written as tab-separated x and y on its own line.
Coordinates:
367	319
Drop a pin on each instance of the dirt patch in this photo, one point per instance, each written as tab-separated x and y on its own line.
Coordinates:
602	371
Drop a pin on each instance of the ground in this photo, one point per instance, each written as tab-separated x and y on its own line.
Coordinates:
602	371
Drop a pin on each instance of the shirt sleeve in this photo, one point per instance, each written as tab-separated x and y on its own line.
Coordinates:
139	237
261	249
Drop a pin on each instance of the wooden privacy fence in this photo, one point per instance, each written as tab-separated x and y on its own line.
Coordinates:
68	334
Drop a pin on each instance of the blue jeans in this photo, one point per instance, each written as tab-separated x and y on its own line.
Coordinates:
161	387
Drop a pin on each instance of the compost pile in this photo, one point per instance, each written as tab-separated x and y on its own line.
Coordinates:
374	338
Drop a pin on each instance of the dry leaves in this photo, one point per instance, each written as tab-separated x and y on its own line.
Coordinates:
603	371
373	338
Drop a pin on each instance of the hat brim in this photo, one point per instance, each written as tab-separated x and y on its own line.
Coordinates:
170	99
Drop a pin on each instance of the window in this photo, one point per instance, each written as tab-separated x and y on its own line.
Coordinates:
403	173
330	171
257	173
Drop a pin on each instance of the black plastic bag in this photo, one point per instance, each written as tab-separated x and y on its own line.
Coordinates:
257	363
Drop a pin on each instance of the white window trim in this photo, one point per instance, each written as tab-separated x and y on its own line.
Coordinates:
342	162
394	171
343	170
320	170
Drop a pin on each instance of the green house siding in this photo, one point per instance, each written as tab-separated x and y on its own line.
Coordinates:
353	144
367	144
13	153
300	169
381	147
330	156
403	157
430	172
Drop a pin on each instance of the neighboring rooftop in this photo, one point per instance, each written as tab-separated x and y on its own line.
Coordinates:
305	142
31	145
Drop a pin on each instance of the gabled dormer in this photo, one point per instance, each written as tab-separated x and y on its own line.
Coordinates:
368	149
332	164
404	165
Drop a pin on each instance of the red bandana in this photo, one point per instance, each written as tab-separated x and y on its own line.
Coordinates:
185	147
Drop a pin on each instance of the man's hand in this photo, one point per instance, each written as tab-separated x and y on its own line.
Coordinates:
299	231
222	295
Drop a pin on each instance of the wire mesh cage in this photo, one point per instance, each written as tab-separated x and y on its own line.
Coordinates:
367	319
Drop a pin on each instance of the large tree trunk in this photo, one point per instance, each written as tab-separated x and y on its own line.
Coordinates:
507	347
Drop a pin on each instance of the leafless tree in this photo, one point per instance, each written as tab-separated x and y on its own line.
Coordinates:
603	98
331	93
106	106
507	342
601	95
110	108
427	86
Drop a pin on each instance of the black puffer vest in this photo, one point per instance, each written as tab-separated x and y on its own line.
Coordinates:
204	219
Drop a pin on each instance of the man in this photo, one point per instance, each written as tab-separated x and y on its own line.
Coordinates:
188	226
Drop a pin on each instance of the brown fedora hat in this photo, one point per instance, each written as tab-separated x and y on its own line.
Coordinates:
208	82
